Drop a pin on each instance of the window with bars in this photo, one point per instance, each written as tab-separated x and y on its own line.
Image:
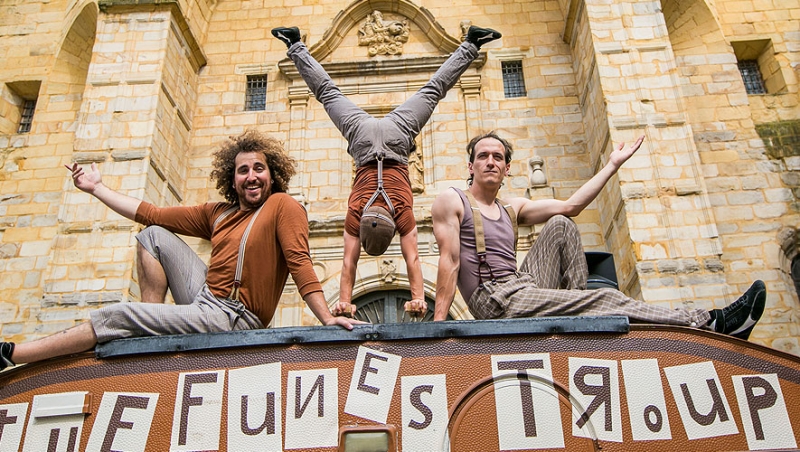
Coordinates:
513	79
28	107
751	75
388	306
256	94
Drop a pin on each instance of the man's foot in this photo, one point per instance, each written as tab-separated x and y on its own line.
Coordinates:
739	318
6	349
288	35
480	36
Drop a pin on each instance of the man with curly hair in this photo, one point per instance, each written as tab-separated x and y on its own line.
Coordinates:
258	237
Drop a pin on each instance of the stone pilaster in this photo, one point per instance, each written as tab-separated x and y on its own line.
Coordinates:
134	123
664	202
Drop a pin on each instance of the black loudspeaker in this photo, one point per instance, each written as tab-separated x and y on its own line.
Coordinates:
602	272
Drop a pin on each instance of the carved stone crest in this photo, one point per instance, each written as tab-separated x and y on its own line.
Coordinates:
383	37
388	271
416	171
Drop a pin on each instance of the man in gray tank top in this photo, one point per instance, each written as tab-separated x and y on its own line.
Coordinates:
552	279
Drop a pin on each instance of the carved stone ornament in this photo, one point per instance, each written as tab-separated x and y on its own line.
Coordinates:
416	171
464	25
536	176
388	271
383	37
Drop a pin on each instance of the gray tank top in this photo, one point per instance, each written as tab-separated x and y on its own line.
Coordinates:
500	253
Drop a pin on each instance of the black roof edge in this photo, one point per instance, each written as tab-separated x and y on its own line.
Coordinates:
363	333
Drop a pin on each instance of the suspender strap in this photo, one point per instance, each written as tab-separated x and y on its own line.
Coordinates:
380	190
480	239
222	217
237	279
513	215
477	221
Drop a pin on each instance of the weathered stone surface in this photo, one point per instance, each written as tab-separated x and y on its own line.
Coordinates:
148	95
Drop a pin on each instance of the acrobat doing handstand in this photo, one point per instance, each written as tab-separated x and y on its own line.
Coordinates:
381	199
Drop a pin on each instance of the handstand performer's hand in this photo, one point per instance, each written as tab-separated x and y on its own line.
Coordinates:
344	308
416	308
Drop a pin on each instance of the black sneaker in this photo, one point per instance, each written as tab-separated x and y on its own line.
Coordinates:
6	349
288	35
739	318
480	36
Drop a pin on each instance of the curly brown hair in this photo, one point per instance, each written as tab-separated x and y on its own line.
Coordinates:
281	166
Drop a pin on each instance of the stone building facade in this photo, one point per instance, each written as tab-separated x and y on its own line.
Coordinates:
146	90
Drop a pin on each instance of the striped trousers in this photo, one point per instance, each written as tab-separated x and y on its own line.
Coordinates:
196	309
552	280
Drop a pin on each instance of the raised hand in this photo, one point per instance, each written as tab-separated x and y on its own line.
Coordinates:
622	153
84	181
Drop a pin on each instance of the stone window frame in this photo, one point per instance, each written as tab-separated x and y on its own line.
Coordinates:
760	54
255	96
250	72
22	97
513	77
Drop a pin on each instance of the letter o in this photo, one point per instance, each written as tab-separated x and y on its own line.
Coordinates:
654	426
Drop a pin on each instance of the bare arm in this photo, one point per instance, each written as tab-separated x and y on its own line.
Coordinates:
447	211
352	248
316	302
531	212
92	183
408	246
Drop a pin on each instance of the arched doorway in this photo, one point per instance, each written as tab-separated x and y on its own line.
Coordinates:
386	306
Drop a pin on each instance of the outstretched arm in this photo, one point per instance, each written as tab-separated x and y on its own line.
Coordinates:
92	183
531	212
447	211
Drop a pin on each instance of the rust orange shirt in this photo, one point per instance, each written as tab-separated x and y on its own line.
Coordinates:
277	246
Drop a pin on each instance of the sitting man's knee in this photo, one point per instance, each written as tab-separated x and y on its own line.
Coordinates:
561	223
151	234
151	238
560	219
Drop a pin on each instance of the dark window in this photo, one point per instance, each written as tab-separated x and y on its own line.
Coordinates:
751	75
256	96
513	79
27	116
387	306
796	274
